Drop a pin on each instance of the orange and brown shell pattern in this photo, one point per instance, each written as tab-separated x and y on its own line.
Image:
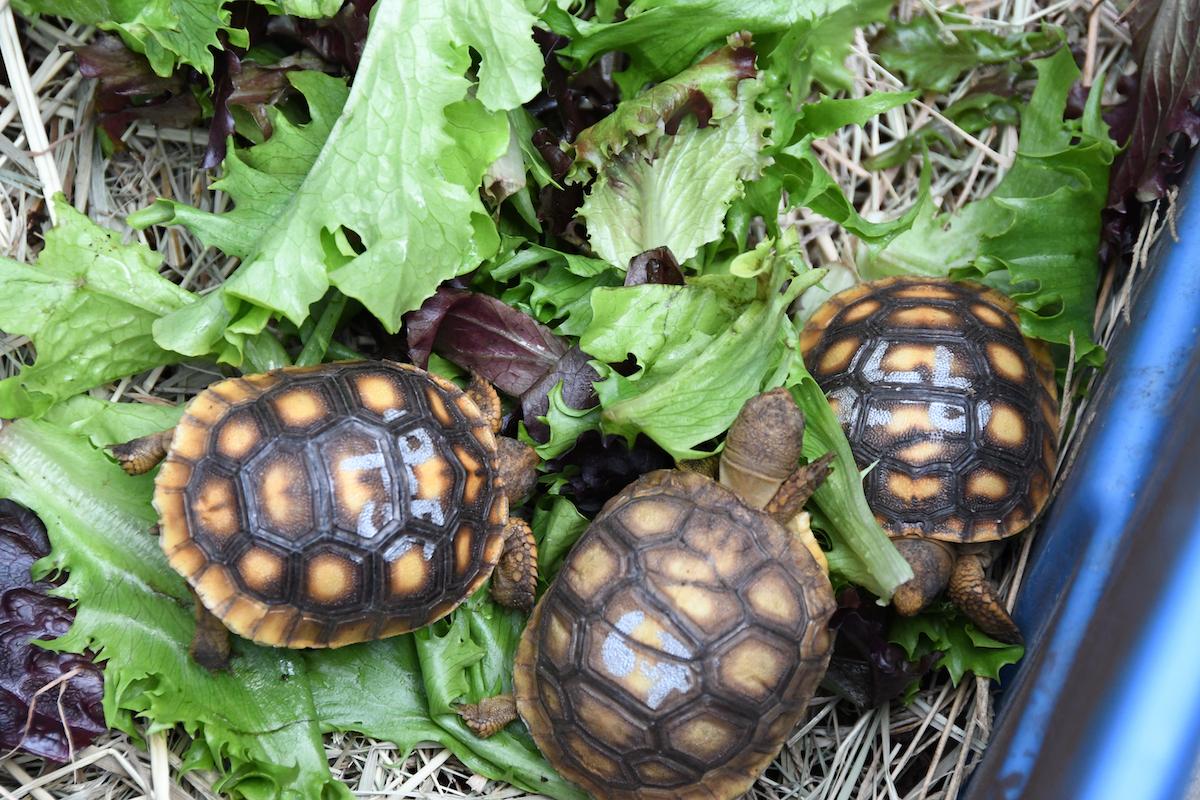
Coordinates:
678	646
933	380
322	506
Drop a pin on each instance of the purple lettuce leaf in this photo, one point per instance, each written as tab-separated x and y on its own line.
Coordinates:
509	348
654	266
27	615
1164	45
866	668
599	466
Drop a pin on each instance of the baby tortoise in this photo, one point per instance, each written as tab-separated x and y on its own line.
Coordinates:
328	505
680	643
933	380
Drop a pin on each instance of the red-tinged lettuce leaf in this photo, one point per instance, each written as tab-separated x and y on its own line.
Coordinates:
574	376
29	614
654	266
507	347
1165	45
337	40
866	668
129	89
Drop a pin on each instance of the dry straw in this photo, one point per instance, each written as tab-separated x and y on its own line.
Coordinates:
923	750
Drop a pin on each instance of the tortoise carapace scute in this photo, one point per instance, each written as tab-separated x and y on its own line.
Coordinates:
678	646
322	506
933	380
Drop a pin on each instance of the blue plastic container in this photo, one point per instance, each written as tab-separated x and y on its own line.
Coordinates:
1106	703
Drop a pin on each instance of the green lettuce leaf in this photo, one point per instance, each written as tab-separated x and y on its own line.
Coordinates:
313	9
662	37
964	648
931	56
701	354
168	32
89	306
657	188
386	218
259	725
262	181
1036	236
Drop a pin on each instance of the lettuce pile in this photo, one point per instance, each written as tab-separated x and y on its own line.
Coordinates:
584	210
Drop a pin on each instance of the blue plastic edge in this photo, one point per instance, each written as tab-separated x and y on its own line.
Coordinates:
1146	746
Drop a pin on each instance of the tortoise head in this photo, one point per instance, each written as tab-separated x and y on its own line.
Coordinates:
518	468
763	447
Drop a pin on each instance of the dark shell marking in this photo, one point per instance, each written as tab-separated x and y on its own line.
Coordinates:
678	646
324	506
934	380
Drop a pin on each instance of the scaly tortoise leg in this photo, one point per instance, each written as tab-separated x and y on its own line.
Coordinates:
972	592
514	582
210	643
483	394
797	488
140	455
489	715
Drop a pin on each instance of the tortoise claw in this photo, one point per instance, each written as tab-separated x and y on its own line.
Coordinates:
489	716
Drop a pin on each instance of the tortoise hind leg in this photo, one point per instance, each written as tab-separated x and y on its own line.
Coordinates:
514	583
489	715
972	592
210	643
141	455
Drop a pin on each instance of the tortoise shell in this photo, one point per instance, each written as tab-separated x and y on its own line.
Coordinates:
933	380
678	646
322	506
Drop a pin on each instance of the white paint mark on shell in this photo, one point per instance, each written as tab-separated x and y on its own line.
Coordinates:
847	404
416	447
365	525
620	660
943	368
984	413
947	418
878	416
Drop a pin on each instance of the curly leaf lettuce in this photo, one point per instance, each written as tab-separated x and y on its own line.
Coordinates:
89	306
168	32
1035	237
389	207
702	350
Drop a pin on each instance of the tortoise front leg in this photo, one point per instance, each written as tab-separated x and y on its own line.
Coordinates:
489	715
514	583
141	455
483	394
978	598
210	643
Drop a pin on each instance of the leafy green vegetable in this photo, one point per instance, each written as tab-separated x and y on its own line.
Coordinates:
302	8
168	32
556	524
662	37
88	305
701	353
931	56
260	725
964	649
262	181
1035	236
654	188
385	218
